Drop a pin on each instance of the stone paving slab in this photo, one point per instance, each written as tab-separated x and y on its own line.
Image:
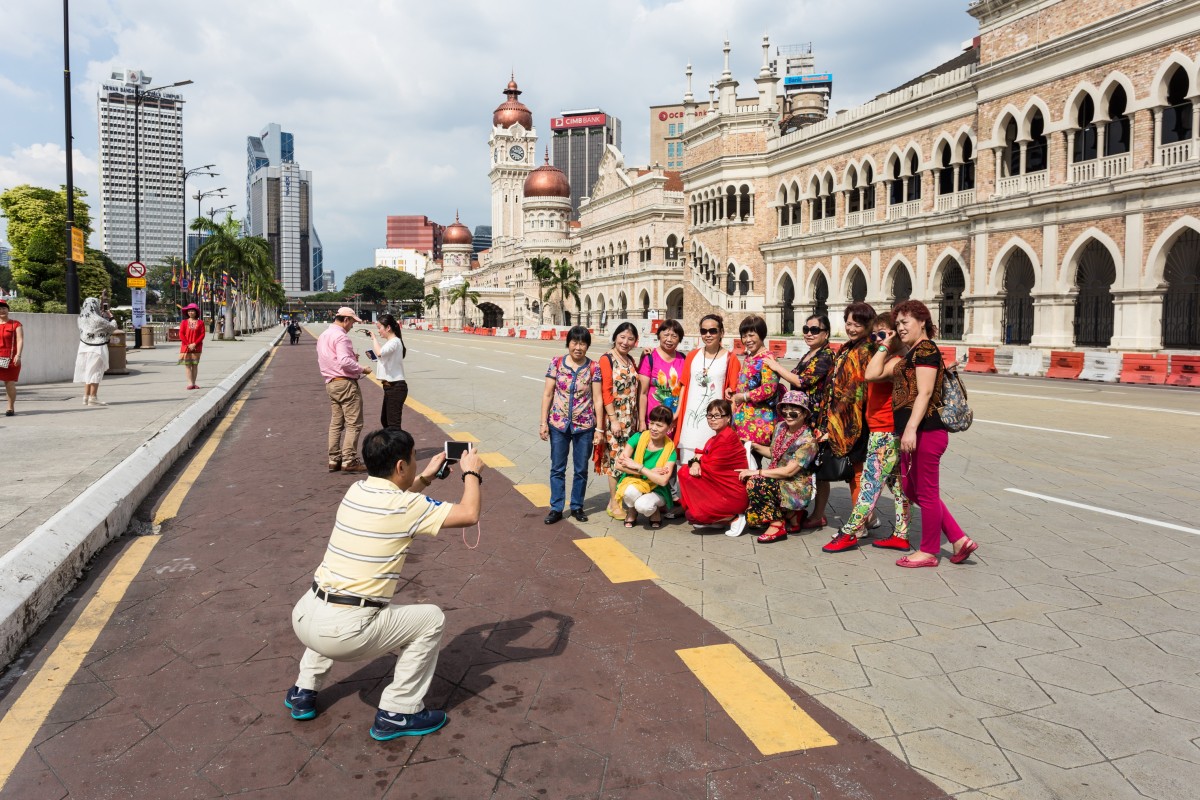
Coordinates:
558	682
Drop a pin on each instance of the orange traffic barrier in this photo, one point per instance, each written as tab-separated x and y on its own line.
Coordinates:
835	346
654	323
778	347
1065	365
172	334
738	347
1185	371
445	329
1143	368
980	359
562	336
512	331
547	336
949	355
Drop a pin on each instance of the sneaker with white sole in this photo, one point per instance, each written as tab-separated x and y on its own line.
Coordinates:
737	527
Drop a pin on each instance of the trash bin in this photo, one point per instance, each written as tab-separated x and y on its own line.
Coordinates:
116	355
145	336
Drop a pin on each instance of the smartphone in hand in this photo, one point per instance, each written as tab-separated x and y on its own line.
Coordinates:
371	355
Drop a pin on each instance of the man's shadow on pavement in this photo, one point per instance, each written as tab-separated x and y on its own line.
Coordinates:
482	646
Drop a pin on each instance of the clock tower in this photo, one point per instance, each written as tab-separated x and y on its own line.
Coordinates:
512	145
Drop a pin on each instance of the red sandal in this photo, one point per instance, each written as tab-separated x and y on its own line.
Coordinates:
775	533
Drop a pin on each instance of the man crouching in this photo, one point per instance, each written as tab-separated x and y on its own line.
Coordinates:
347	614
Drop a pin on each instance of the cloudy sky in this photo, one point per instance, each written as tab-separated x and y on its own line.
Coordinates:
390	101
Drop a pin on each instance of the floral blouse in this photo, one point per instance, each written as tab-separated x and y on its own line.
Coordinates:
571	408
754	420
812	371
801	446
665	385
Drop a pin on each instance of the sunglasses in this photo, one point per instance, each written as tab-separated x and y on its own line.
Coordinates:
709	331
812	331
790	413
715	416
879	336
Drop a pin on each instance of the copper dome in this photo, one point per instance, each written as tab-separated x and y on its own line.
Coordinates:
512	110
456	233
547	181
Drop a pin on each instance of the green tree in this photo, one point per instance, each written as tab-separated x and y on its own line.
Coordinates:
37	219
462	293
541	266
434	300
564	279
325	297
98	260
245	258
383	284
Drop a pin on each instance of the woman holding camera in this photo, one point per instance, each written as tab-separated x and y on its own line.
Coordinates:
388	344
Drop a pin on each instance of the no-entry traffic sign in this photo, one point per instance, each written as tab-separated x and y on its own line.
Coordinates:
136	269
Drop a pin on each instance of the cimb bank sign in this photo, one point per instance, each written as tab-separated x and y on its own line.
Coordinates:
579	121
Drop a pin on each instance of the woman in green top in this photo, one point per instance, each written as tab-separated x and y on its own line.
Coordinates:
646	462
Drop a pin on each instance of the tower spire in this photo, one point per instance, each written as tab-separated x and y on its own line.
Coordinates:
726	74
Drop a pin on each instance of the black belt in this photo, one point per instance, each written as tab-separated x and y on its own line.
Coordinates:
390	384
346	600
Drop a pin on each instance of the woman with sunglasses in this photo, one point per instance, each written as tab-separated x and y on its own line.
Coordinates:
754	396
916	394
711	486
780	491
708	373
883	447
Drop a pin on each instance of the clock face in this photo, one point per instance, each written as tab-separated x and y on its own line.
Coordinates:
516	153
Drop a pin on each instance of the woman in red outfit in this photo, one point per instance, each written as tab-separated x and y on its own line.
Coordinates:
191	342
12	342
712	492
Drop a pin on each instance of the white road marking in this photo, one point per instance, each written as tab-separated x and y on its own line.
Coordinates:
539	358
456	361
1051	387
1109	512
1036	428
489	369
1090	403
539	380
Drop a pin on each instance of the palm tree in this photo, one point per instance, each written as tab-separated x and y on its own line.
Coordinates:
541	266
246	258
564	279
434	300
463	292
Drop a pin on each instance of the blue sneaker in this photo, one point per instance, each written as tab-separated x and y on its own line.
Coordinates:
302	702
389	726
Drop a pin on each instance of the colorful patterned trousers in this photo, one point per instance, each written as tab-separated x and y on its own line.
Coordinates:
882	468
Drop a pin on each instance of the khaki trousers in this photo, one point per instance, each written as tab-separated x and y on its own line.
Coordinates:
334	632
346	405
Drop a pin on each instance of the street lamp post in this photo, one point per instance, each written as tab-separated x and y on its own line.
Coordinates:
212	212
187	173
72	277
212	300
199	196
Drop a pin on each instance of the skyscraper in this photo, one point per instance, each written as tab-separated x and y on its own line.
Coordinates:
157	134
415	232
579	139
279	209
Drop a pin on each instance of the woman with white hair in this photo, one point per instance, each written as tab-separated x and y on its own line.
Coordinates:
95	326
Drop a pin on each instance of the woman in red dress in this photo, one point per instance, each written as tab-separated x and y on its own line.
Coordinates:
712	492
12	342
191	342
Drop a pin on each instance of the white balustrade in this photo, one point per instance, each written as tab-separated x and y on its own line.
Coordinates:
1082	171
1114	166
824	225
1170	155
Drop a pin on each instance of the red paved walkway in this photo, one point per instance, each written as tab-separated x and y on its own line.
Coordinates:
558	683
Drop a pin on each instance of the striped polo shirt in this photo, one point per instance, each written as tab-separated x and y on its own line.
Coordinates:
375	524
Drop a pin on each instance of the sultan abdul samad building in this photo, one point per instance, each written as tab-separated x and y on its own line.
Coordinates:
1040	188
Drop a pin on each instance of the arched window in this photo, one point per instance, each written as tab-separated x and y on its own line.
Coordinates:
1036	152
1181	302
852	200
731	280
896	190
818	202
1116	136
1018	299
914	179
672	247
830	198
1012	150
730	204
744	283
901	285
787	299
952	312
966	171
945	182
821	295
858	287
868	184
1177	116
746	203
1095	274
1085	137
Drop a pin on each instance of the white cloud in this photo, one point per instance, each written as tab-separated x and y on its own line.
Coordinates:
390	102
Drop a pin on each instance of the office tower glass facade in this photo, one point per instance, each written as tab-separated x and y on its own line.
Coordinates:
579	139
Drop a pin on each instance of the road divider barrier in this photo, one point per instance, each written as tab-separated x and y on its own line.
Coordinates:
949	354
1104	367
1026	361
980	359
1144	368
1185	371
1065	365
778	348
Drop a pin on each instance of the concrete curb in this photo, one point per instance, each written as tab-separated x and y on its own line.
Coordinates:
36	574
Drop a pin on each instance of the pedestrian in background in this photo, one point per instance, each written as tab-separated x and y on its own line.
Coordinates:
570	402
340	368
12	342
91	360
619	391
191	342
388	344
916	394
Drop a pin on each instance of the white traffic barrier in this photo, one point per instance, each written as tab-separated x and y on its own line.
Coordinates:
1098	366
796	348
1026	361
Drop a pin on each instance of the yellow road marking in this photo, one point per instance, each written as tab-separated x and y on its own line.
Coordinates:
29	712
536	493
463	436
764	712
615	561
495	460
436	417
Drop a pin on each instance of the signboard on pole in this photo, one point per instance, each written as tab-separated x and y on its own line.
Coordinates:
77	251
138	305
136	269
135	283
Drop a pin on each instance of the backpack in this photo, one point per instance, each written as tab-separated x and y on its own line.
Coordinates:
956	415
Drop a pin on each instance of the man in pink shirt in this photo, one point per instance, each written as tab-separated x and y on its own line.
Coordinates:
341	371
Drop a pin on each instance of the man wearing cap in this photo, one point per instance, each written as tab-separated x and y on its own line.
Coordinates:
341	371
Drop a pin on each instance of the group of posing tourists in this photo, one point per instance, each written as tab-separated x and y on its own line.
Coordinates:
740	441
